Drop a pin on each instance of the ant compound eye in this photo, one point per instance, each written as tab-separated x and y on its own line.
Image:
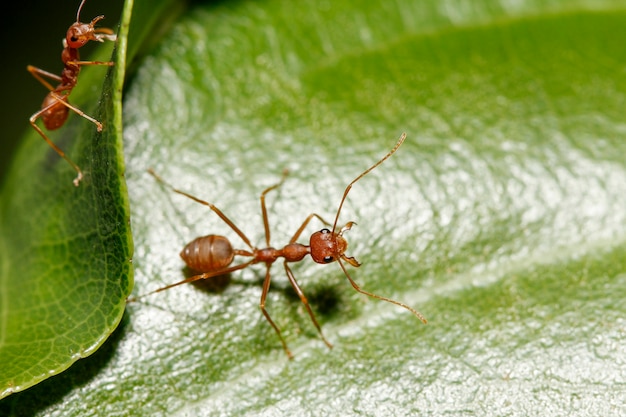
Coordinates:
325	231
328	259
74	40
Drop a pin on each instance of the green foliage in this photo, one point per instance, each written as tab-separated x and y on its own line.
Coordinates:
502	218
66	250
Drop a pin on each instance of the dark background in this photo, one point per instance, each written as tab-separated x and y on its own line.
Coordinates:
31	34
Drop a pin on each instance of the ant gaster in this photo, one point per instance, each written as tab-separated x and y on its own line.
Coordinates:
211	255
55	107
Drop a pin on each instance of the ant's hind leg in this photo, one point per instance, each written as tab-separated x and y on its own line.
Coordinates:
33	119
78	111
206	203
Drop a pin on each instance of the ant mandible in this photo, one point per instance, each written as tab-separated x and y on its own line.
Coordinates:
55	107
211	255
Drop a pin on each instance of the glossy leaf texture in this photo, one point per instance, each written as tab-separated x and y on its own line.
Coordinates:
502	218
66	251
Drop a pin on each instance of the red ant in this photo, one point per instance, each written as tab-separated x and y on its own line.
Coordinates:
55	107
212	254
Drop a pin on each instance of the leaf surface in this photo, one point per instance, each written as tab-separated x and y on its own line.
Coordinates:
502	218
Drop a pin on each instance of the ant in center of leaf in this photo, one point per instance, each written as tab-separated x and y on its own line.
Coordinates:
212	255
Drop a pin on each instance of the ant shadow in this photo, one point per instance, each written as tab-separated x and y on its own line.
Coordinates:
324	298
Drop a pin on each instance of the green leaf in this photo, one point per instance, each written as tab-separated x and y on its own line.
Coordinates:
66	251
502	218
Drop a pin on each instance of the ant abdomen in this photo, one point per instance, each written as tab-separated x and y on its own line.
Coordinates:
56	113
208	253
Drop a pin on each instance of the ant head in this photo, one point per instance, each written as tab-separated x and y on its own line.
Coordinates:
327	246
80	33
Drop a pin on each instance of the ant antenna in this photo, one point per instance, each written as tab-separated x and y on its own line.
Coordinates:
353	261
79	9
367	171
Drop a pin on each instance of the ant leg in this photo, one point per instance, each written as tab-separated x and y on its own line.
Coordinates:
38	73
206	203
82	63
266	223
298	290
78	111
198	277
104	34
33	119
266	288
380	297
304	224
